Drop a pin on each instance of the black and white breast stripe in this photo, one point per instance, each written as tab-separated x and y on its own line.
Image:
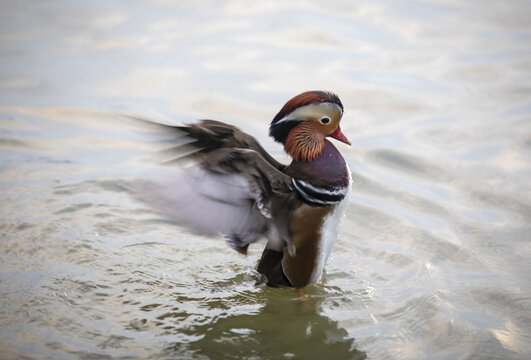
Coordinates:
318	196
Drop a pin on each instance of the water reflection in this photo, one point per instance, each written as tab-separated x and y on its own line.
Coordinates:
285	327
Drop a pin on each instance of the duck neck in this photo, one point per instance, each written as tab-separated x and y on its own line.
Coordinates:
329	169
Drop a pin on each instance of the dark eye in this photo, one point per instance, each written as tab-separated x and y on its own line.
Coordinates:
324	120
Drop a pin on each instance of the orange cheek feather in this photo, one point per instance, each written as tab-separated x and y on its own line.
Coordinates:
305	142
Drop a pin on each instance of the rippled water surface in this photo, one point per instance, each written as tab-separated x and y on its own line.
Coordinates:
433	258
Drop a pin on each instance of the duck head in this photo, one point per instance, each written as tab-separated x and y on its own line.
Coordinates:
305	121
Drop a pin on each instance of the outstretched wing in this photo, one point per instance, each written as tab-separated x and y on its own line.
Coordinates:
210	135
230	187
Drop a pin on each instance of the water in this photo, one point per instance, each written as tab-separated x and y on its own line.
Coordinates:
432	261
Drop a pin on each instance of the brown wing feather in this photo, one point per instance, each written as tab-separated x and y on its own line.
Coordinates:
212	135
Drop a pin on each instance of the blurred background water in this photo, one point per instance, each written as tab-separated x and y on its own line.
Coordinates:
433	259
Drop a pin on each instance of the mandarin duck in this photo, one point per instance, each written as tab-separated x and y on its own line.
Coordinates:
236	189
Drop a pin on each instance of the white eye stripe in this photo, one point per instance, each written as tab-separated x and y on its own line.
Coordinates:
313	112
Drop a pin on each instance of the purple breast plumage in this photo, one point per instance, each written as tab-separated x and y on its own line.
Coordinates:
330	179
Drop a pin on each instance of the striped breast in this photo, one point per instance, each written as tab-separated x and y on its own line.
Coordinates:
319	196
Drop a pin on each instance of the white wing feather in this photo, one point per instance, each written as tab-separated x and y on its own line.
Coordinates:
209	203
